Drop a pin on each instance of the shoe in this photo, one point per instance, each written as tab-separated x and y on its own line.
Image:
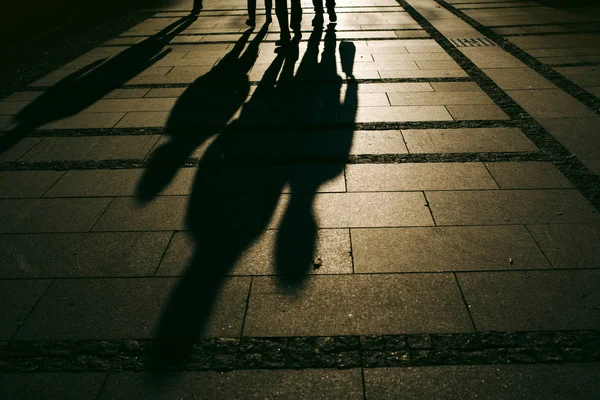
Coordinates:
332	15
251	22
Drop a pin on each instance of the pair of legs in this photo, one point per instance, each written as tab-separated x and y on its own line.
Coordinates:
330	4
252	11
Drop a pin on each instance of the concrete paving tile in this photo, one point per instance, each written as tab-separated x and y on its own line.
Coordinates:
86	120
5	121
398	114
378	142
165	92
357	305
164	213
331	245
51	386
528	175
23	96
123	309
439	98
455	86
433	176
400	87
131	105
491	57
20	148
92	148
17	300
490	207
288	384
534	300
343	210
81	254
518	78
551	103
569	246
127	93
467	140
14	107
476	112
557	382
21	184
422	73
144	119
581	136
97	183
593	165
469	248
392	57
50	215
437	65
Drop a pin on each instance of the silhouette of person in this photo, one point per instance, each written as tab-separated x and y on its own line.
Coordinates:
281	11
89	84
251	21
330	4
197	7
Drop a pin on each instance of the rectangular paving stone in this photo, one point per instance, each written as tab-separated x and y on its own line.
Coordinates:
455	86
398	114
289	384
127	93
123	309
143	119
392	57
81	254
491	57
131	105
332	246
534	300
17	300
581	136
20	148
87	121
434	176
569	246
439	98
347	210
467	140
378	142
469	248
164	213
528	175
489	207
518	78
23	96
357	305
50	215
5	120
422	73
557	382
92	148
51	386
476	112
21	184
552	103
165	92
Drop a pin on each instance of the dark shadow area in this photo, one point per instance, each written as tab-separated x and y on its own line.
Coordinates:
91	83
568	3
231	206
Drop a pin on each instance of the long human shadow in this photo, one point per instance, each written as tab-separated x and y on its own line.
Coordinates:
225	220
84	87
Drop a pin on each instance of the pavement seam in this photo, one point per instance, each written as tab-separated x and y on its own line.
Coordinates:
465	302
162	257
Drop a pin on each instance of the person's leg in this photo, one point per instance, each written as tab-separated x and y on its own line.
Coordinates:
296	17
330	4
282	17
197	7
318	4
269	9
251	13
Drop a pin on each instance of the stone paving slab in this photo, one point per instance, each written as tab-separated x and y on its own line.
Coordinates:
51	386
565	381
402	177
445	249
552	103
288	384
19	149
569	246
532	301
18	299
528	175
581	136
488	207
50	215
81	254
439	98
123	308
518	78
23	184
365	304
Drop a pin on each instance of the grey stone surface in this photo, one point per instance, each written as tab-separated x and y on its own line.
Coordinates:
492	207
21	184
81	254
378	142
92	148
357	304
534	300
50	215
491	57
434	176
580	136
398	114
17	300
123	309
86	120
51	386
569	246
518	78
257	384
528	175
476	112
165	213
550	103
332	247
455	86
566	381
439	98
19	149
469	248
466	140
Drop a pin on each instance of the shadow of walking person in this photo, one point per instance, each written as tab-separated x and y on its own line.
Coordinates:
227	213
91	83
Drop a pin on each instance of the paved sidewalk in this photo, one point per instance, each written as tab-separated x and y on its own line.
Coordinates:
400	205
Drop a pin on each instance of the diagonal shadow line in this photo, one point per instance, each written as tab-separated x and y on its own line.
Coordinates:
86	86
